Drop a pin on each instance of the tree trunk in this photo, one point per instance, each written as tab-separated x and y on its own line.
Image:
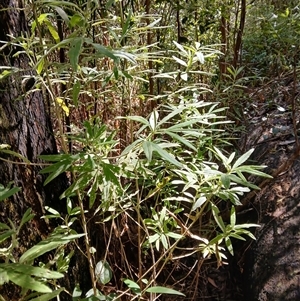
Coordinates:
26	127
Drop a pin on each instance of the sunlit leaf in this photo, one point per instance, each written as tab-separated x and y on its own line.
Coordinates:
133	286
217	217
46	246
40	66
103	272
163	290
200	57
200	201
180	47
165	155
153	119
164	241
179	61
225	179
184	76
75	20
52	31
242	159
232	216
229	245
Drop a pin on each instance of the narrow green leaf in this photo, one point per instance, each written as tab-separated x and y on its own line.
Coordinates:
242	159
49	296
237	180
128	56
147	147
93	193
139	119
184	76
40	66
75	20
183	125
3	278
179	61
80	184
52	211
62	14
173	113
28	282
153	119
234	235
58	168
221	156
252	170
133	286
6	235
232	216
74	52
225	179
77	292
52	31
42	17
180	47
200	57
163	290
153	238
231	157
242	226
6	192
165	155
200	201
229	245
4	226
103	51
218	218
157	245
75	92
7	151
181	140
164	241
28	215
31	270
174	235
46	246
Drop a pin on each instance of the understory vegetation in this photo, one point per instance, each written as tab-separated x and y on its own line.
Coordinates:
147	101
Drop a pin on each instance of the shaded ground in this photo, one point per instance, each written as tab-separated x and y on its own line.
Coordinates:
273	261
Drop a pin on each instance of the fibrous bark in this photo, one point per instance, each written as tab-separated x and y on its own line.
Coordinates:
26	128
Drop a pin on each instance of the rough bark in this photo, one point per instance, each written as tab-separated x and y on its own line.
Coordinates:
26	127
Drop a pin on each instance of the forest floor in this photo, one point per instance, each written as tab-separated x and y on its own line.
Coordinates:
268	268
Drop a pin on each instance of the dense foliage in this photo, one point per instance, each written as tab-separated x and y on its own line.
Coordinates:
154	179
